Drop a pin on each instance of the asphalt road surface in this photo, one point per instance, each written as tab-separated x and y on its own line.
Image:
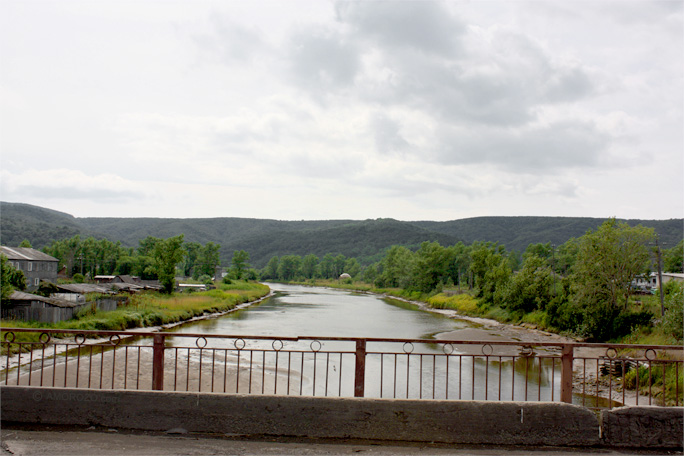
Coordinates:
58	441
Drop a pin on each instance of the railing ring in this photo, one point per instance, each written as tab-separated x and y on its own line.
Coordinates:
81	338
487	348
197	342
449	350
315	350
114	339
611	353
526	350
653	354
238	341
7	339
410	345
274	345
40	338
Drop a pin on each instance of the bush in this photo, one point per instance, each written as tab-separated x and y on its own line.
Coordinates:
673	321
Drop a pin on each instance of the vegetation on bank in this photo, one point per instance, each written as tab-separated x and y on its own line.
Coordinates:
583	287
152	309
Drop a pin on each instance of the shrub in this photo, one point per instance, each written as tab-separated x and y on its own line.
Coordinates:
673	320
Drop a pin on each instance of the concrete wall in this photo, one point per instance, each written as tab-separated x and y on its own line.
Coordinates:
472	422
645	427
505	423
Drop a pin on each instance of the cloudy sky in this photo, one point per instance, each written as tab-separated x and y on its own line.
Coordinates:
414	110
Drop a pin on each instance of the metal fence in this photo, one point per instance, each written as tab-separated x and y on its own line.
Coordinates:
593	375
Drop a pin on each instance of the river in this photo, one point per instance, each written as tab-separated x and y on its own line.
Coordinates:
297	311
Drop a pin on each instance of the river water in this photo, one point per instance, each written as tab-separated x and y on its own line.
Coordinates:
297	311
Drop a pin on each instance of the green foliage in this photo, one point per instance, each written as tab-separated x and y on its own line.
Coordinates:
309	268
240	263
396	268
530	289
674	258
673	320
167	254
491	271
12	278
365	240
46	289
608	260
208	259
78	278
288	268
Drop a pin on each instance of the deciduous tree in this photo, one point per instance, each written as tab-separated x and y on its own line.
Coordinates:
167	254
608	259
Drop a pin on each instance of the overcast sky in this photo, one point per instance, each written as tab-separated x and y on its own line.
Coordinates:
413	110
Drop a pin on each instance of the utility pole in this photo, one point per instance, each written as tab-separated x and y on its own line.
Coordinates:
660	277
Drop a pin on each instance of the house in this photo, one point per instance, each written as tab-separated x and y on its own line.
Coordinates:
35	265
30	307
650	282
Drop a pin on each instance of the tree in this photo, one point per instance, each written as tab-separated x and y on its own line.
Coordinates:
530	288
491	271
327	267
352	267
430	266
396	268
192	250
12	278
209	258
608	259
674	258
271	269
240	263
289	267
309	266
167	254
26	243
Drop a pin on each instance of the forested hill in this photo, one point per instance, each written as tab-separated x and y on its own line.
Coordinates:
365	240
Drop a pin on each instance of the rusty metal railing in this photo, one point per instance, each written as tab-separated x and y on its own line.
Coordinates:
593	375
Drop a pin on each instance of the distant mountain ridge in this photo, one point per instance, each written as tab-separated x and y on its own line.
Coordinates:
264	238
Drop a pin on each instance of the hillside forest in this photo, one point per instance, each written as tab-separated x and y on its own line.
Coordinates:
583	286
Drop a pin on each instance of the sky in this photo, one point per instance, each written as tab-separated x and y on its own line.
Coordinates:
313	110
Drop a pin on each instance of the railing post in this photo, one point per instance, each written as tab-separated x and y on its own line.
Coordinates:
567	358
158	362
360	372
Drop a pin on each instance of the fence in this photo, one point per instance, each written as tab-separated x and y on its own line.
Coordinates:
593	375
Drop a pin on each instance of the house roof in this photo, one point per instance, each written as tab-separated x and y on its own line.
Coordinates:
22	296
84	288
25	254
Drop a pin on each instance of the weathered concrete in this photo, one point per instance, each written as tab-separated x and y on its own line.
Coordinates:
499	423
643	427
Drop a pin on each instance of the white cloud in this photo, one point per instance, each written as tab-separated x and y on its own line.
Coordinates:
404	109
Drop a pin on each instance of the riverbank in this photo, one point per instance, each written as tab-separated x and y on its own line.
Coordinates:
154	312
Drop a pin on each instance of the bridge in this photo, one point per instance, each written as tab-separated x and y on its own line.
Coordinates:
439	390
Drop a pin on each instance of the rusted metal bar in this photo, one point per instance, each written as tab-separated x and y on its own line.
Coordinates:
158	362
360	371
567	354
411	380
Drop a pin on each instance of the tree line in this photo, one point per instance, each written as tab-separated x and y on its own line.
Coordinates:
582	285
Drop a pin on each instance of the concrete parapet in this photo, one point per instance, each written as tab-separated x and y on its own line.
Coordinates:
474	422
643	427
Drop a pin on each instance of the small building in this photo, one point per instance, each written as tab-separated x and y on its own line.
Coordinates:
30	307
650	282
35	265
